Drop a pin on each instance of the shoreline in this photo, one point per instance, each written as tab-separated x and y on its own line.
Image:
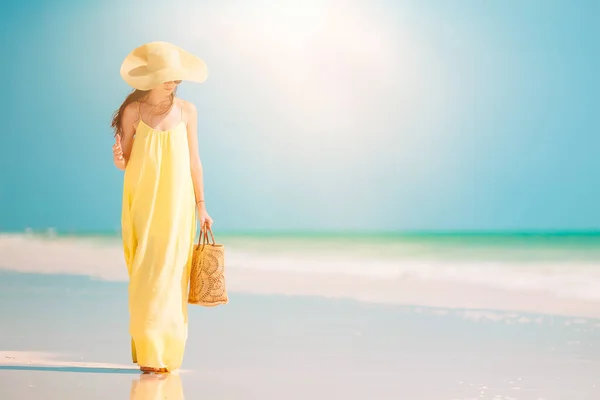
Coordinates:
440	297
415	293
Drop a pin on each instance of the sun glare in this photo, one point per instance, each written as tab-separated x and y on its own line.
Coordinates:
291	26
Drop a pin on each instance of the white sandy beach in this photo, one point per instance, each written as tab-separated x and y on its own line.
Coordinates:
293	334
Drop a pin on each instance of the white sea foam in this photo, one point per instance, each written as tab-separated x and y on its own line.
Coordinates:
566	280
331	272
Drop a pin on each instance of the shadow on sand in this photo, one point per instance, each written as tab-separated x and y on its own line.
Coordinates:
143	387
94	370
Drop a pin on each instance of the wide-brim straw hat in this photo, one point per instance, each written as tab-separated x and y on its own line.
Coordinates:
155	63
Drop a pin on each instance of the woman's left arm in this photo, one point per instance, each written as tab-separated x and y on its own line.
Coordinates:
196	170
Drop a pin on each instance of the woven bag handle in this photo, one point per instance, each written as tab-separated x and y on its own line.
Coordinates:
204	235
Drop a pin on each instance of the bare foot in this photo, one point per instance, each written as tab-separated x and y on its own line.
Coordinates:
155	370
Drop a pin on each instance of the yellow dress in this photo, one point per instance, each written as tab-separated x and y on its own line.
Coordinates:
158	229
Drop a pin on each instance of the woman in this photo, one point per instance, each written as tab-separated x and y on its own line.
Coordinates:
157	147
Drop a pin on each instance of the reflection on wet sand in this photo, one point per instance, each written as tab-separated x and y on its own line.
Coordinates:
156	386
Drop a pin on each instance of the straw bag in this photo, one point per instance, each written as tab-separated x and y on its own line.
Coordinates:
207	278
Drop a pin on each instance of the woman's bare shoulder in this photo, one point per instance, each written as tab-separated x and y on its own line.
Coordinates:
187	106
131	113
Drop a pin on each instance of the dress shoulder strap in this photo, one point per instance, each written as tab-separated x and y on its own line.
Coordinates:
139	118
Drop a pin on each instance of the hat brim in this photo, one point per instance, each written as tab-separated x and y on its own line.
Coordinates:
135	73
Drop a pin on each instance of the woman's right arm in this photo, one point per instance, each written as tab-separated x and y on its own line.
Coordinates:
125	142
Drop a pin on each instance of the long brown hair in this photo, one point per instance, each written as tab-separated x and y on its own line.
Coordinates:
136	95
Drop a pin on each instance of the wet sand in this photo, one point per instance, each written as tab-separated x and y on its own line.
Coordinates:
65	337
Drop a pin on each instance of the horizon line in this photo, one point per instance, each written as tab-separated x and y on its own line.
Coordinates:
339	232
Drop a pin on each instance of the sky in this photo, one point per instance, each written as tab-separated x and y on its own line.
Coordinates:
317	115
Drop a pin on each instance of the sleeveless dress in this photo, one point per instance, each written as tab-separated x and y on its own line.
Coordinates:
158	223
